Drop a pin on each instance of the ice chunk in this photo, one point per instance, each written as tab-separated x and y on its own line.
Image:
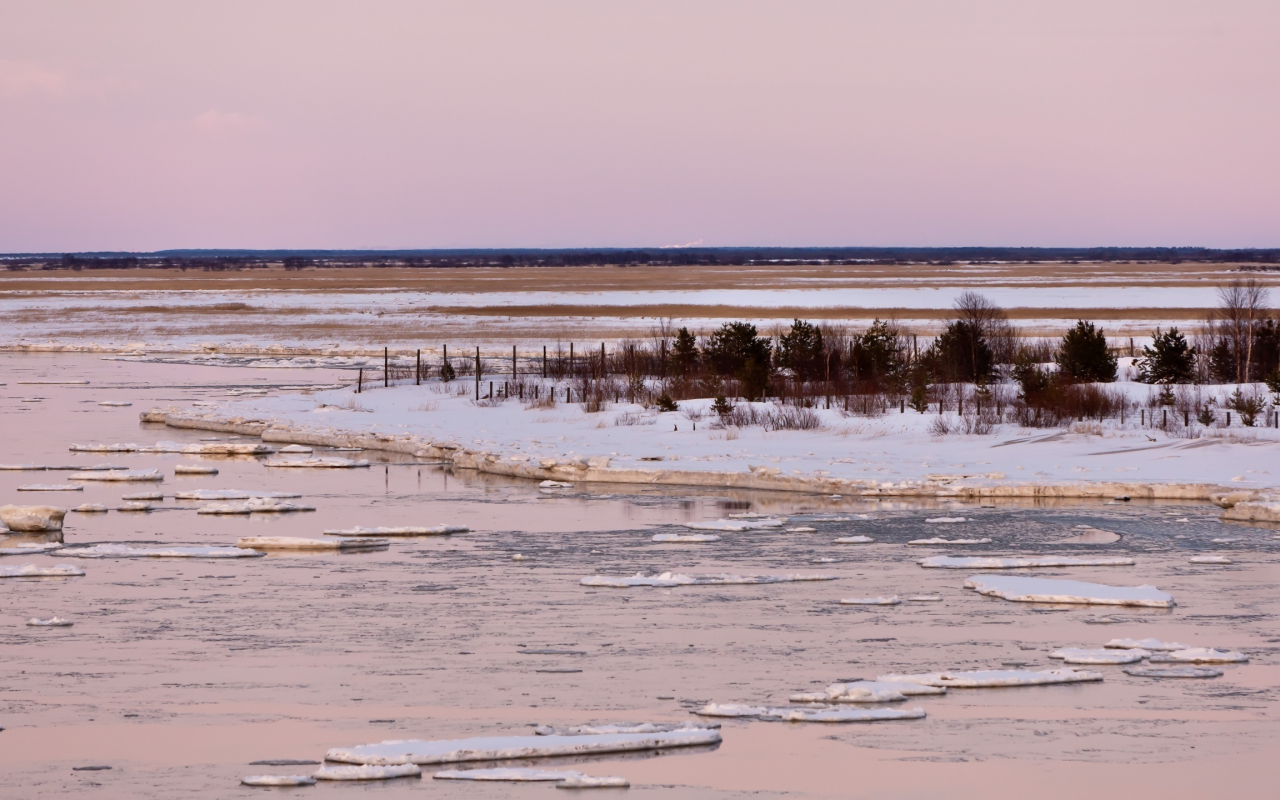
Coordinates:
494	748
231	494
51	487
1174	672
801	529
1154	645
227	449
685	538
854	540
1090	535
368	772
114	404
982	679
677	579
91	508
278	780
332	462
143	496
555	485
730	710
32	571
22	467
624	727
977	562
430	530
119	475
1046	590
194	469
103	448
946	520
296	448
734	525
581	781
1210	560
842	714
254	505
1076	655
858	692
30	549
871	601
52	622
32	518
125	551
506	774
938	541
136	506
1207	655
925	598
301	543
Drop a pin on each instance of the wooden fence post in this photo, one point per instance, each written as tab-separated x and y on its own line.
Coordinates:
477	372
386	367
513	363
417	369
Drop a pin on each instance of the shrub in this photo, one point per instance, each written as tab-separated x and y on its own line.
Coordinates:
722	407
1249	407
1169	359
665	403
1083	355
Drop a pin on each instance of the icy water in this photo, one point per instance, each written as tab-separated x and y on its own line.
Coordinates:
178	673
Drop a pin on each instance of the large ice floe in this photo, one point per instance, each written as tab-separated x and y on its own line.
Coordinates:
33	571
623	727
871	601
143	496
866	692
809	715
1210	560
32	519
939	541
991	678
1076	655
1174	672
124	551
30	549
521	774
1154	645
332	462
278	780
119	475
368	772
1049	590
103	448
52	622
978	562
427	530
945	520
735	525
854	540
194	469
678	579
254	505
51	487
685	538
1207	655
303	543
581	781
496	748
90	508
231	494
226	449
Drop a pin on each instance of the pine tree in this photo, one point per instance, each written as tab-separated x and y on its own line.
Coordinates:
1169	359
684	352
1083	355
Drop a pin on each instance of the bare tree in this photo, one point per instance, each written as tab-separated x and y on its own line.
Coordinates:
989	322
1242	307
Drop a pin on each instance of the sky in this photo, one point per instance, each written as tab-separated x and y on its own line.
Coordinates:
565	123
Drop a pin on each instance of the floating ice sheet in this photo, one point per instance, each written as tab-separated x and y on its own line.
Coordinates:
936	540
678	579
1047	590
143	496
871	601
296	448
232	494
593	782
90	508
1210	560
494	748
555	485
945	520
33	571
194	469
302	543
125	551
1154	645
429	530
506	774
22	467
52	622
854	540
332	462
103	448
114	404
119	475
624	727
368	772
1174	672
227	449
735	525
278	780
982	679
1207	655
135	506
867	692
809	715
31	549
1076	655
978	562
925	598
685	538
51	487
254	505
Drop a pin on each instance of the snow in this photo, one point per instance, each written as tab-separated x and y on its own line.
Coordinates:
624	727
333	462
302	543
946	519
254	505
1174	672
367	772
231	494
871	601
677	579
1207	655
1210	560
123	475
685	538
52	622
938	541
493	748
29	549
91	508
51	487
982	679
33	571
278	780
854	540
125	551
432	530
1075	655
194	469
1154	645
27	519
734	525
953	562
1048	590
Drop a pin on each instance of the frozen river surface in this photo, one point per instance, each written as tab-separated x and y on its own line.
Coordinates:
178	673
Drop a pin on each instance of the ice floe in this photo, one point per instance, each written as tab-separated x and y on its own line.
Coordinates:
254	505
734	525
296	448
1076	655
30	549
978	562
555	485
1210	560
945	520
302	543
22	467
332	462
685	538
505	774
25	519
940	541
925	598
982	679
367	772
581	781
871	601
623	727
678	579
495	748
103	448
33	571
867	692
428	530
143	496
231	494
120	475
227	449
808	715
1048	590
1154	645
1207	655
125	551
135	506
801	529
1090	535
51	487
114	404
854	540
1174	672
278	780
52	622
91	508
194	469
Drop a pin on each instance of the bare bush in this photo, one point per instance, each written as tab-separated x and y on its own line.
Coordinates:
938	426
630	418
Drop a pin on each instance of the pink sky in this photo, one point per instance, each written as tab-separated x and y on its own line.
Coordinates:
506	123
